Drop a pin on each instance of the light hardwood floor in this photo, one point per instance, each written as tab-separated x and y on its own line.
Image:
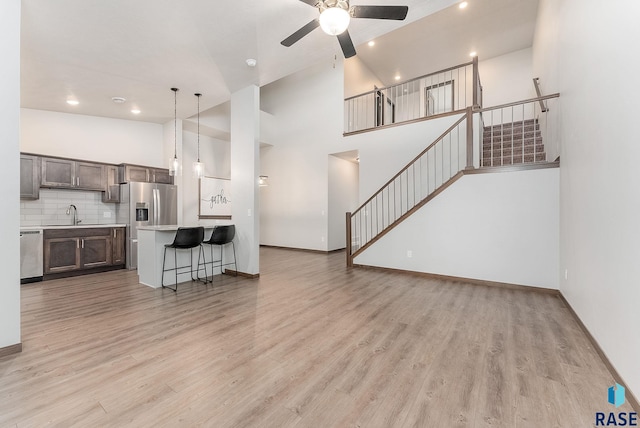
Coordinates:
309	344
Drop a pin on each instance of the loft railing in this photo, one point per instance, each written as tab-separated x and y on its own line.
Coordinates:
447	91
517	133
421	179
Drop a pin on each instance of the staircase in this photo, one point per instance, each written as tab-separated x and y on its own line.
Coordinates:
512	143
513	137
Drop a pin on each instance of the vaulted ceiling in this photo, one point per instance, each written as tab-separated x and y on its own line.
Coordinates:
93	50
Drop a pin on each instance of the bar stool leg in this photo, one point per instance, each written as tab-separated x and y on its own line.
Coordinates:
163	262
175	259
234	257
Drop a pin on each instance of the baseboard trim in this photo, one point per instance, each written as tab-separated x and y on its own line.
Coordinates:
305	250
10	350
242	274
463	279
633	401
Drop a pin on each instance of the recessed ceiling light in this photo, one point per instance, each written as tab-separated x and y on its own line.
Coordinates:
135	111
118	100
251	62
473	54
463	5
371	43
73	102
397	77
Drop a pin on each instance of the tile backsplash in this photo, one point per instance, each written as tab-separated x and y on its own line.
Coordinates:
51	208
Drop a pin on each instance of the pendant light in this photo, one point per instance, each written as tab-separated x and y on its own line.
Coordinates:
198	167
174	164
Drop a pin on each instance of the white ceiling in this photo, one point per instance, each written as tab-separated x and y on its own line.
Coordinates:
93	50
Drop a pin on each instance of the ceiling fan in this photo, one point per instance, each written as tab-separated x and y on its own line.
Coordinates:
335	16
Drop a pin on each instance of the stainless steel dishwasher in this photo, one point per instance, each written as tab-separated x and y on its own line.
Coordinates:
31	254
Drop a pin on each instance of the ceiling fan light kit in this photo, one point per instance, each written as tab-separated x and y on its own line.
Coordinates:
335	16
335	19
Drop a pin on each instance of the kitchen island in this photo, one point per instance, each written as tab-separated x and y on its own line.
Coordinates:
151	242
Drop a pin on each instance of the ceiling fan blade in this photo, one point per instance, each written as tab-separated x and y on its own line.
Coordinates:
310	2
380	12
346	44
312	25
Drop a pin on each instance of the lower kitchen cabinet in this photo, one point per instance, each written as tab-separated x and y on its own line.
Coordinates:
118	257
96	251
61	255
82	250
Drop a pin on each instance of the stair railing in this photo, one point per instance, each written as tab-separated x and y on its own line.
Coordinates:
536	84
515	133
445	92
434	169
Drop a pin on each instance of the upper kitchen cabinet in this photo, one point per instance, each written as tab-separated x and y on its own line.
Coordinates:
90	176
112	189
144	174
161	175
70	174
29	177
58	172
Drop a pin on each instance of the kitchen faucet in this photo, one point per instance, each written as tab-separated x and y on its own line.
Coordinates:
75	214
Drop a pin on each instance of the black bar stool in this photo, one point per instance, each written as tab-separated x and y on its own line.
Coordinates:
187	238
221	236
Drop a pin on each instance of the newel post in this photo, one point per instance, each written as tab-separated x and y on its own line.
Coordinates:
476	82
348	243
469	121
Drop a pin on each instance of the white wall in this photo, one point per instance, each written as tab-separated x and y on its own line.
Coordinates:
359	78
245	167
386	151
507	78
216	156
307	108
580	46
497	227
9	152
343	198
92	138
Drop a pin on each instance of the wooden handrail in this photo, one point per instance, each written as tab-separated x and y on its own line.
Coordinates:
517	103
536	83
407	166
466	64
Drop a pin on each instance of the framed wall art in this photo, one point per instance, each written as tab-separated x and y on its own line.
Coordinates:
215	198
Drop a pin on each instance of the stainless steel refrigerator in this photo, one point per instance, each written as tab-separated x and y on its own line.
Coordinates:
145	204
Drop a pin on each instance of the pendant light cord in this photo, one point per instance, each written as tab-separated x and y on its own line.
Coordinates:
198	95
175	122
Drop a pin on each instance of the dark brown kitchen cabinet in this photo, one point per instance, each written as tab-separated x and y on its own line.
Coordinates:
118	257
61	255
161	176
29	177
82	250
135	173
95	251
71	174
89	176
58	173
112	187
144	174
